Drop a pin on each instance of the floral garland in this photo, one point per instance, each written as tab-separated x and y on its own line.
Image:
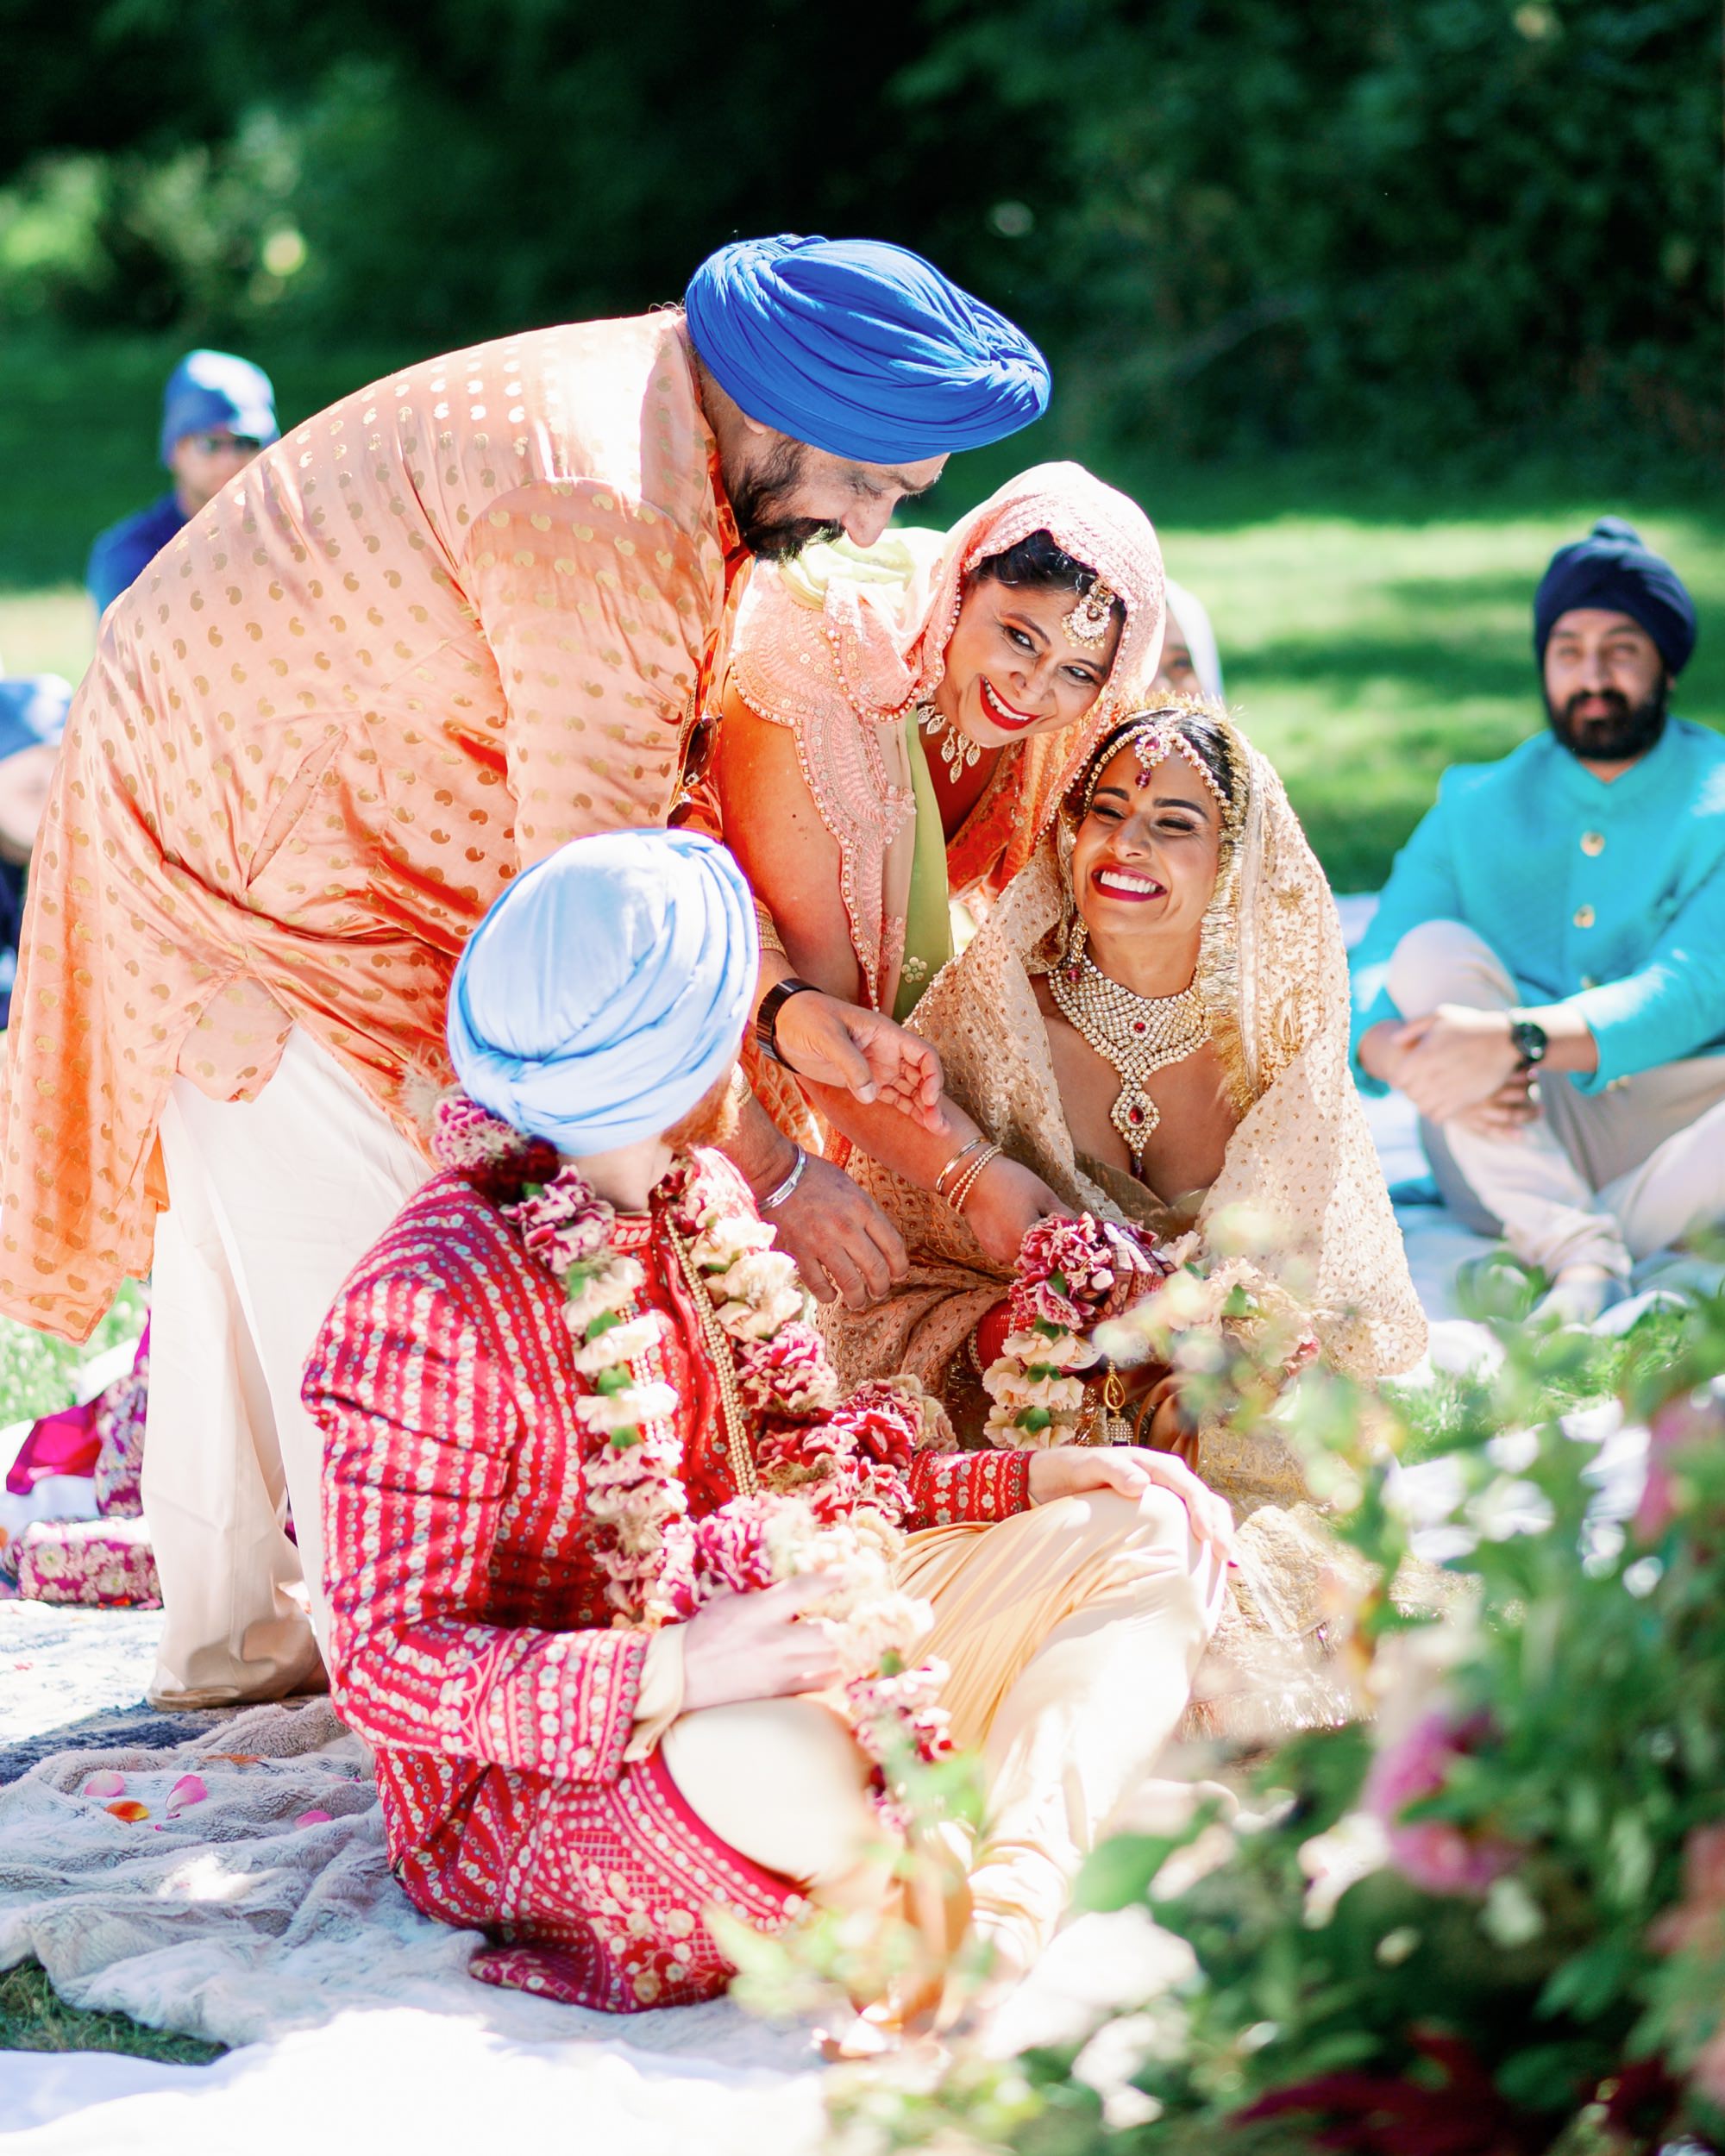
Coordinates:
830	1491
1072	1275
1085	1288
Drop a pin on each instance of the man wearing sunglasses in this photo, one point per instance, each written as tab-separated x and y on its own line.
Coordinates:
218	410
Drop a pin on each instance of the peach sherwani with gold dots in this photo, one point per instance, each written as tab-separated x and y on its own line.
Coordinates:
449	624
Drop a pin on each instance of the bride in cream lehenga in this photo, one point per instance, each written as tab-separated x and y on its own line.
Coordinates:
1251	1115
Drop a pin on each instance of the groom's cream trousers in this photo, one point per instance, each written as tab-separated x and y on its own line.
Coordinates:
1071	1634
1601	1178
271	1204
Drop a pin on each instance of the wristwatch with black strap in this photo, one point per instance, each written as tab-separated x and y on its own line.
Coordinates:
767	1016
1530	1041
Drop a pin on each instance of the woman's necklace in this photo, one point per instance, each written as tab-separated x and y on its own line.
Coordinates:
1138	1035
957	753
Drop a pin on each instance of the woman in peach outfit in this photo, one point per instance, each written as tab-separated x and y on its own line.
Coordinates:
898	726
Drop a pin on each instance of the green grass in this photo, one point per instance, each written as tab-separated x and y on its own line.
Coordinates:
1374	627
34	2018
39	1373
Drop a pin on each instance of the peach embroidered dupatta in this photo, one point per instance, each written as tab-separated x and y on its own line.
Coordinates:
845	647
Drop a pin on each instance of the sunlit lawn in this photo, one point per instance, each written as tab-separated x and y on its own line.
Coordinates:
1373	629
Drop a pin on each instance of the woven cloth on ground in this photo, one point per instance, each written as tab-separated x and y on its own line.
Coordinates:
232	1920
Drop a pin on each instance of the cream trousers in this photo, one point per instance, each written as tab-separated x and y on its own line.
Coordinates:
1602	1178
1072	1633
271	1204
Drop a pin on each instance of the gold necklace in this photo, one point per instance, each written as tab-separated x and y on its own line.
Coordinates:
1138	1035
740	1452
957	753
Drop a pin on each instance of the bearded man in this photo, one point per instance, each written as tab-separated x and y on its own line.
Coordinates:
444	626
1545	978
587	1474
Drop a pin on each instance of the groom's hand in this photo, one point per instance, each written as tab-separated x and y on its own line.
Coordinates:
861	1052
757	1646
844	1246
1067	1471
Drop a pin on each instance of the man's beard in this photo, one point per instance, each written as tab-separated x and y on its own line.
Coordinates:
1619	734
758	497
711	1121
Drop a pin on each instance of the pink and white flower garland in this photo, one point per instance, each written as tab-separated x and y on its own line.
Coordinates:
1072	1275
832	1492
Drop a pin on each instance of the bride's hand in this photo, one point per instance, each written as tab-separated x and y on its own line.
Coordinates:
1067	1471
1005	1200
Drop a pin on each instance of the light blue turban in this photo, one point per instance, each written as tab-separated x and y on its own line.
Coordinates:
862	349
607	989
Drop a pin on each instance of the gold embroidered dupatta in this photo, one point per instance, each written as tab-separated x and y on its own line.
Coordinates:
1274	973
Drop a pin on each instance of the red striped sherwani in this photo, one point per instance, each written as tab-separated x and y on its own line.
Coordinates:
472	1644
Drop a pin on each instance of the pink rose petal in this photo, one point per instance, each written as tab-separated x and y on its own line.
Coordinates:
187	1791
105	1783
313	1818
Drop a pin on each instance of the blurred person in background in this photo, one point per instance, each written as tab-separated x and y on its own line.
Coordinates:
1191	665
1544	976
462	616
218	410
32	718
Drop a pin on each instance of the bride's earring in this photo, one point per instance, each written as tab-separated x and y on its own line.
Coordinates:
1073	963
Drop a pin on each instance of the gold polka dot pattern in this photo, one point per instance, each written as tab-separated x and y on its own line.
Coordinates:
439	628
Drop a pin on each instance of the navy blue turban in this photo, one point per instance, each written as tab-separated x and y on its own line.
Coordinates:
606	990
861	350
1613	570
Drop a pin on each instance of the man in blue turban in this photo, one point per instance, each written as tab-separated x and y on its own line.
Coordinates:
218	410
584	1468
606	991
862	360
493	591
1545	978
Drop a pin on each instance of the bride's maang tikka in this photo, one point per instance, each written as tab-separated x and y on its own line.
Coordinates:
1087	623
1152	739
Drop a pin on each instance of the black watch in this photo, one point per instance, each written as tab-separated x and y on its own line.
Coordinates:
767	1018
1530	1042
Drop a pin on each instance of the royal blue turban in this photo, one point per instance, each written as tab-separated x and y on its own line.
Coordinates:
607	989
1613	570
861	348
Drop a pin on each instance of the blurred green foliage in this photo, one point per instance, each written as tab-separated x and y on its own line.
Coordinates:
1407	227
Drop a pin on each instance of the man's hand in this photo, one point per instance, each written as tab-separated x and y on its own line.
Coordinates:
1450	1062
843	1245
1067	1471
1505	1114
861	1052
1006	1199
754	1646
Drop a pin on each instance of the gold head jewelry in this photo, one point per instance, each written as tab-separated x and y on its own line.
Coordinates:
1152	738
1087	623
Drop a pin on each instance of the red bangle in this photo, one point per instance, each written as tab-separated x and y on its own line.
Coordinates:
992	1328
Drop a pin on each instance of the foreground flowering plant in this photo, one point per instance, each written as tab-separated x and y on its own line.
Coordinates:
1488	1917
823	1484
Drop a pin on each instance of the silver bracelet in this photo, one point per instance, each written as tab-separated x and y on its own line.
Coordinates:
776	1198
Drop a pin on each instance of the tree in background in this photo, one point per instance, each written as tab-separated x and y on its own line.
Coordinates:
1411	226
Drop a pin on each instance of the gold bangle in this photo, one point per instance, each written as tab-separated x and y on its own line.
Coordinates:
963	1152
968	1181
